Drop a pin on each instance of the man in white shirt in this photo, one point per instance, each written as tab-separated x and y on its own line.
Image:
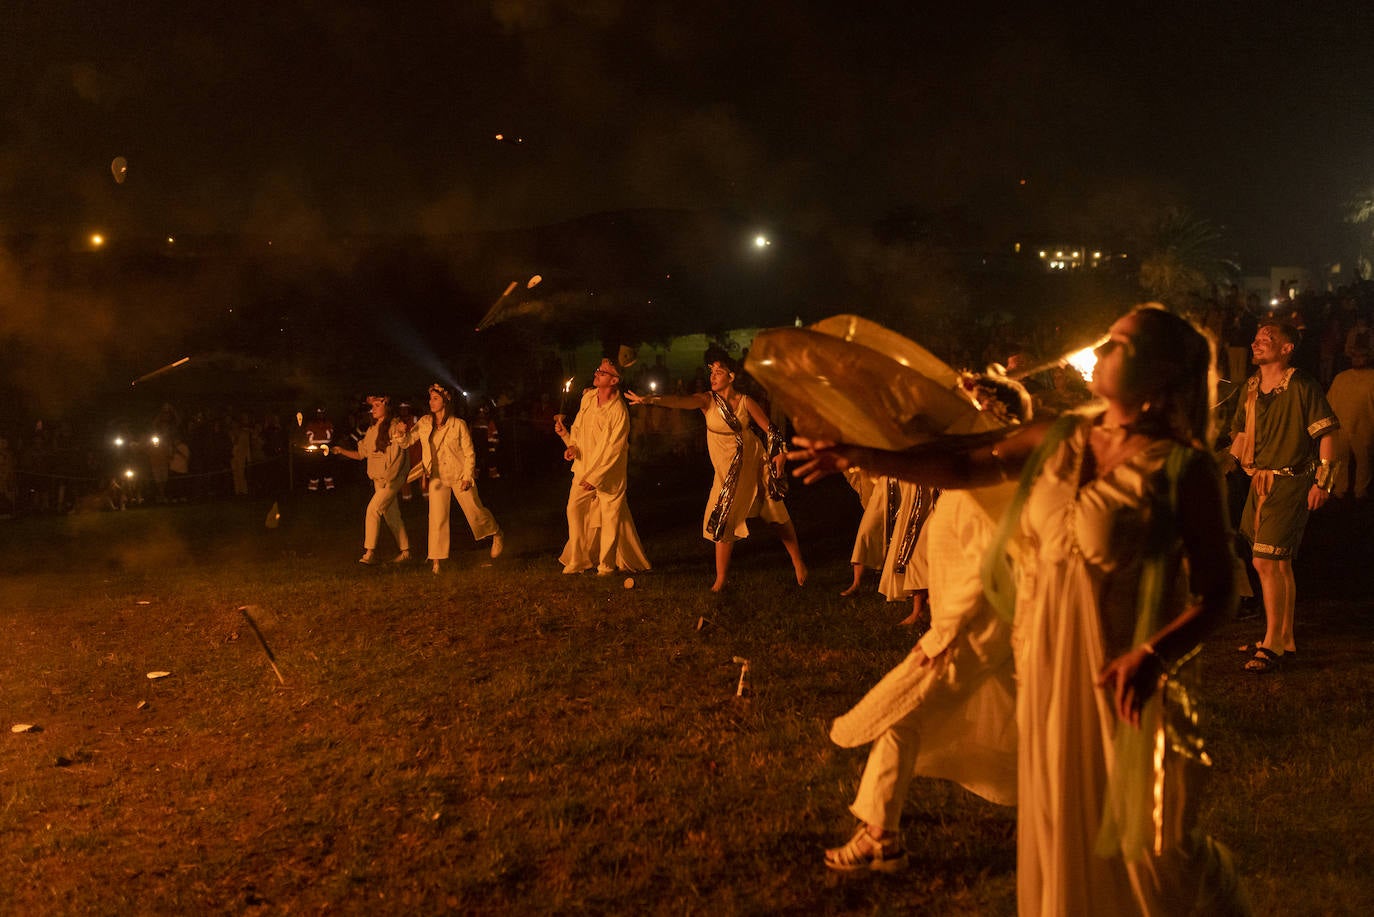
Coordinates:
601	531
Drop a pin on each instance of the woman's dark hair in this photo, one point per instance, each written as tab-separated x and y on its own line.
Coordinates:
384	424
727	363
1170	371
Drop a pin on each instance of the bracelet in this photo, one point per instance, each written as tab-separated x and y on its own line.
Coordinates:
1325	476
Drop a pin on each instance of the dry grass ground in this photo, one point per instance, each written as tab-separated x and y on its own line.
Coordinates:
504	739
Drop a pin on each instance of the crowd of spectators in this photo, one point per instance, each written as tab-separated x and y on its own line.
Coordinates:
213	452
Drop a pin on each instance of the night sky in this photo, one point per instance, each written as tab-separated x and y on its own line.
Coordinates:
313	117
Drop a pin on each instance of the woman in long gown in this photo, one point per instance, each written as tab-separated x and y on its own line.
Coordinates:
889	539
738	491
1108	622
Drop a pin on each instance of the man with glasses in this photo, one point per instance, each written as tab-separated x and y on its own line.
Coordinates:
601	531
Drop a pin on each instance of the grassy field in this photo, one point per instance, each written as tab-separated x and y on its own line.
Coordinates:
505	739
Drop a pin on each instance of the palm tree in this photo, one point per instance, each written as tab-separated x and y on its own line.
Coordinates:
1360	214
1182	257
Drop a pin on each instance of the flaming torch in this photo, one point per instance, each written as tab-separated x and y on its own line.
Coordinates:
563	410
563	400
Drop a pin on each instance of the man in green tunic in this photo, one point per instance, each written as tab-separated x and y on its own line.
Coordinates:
1280	439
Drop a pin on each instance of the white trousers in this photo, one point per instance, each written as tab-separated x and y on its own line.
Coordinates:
441	497
382	507
589	510
887	775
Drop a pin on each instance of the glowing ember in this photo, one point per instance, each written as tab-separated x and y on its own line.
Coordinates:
1084	361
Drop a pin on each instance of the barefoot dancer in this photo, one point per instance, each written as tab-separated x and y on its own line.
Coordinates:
894	516
739	490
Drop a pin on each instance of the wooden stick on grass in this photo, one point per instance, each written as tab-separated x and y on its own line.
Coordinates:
271	660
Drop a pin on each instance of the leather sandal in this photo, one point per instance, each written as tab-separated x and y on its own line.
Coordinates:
1264	661
865	854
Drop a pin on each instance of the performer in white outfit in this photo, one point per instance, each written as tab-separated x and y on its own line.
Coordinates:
383	448
895	514
739	490
948	710
601	531
450	463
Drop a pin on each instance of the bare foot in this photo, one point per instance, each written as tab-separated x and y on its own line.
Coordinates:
850	591
718	585
802	573
910	620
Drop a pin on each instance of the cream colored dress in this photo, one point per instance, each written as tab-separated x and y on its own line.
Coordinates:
877	544
1077	588
751	496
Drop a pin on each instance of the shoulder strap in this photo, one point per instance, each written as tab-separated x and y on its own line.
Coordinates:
999	579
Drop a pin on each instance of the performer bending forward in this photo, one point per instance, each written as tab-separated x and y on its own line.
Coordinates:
739	490
600	527
948	710
451	465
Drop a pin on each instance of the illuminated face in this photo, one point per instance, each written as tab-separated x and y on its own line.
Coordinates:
1269	347
377	409
605	377
436	402
721	378
1113	356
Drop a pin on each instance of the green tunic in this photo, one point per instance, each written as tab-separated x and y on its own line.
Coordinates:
1288	423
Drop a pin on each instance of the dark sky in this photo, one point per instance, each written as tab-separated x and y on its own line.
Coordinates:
321	116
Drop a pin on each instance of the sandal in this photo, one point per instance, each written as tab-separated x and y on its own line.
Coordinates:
368	558
864	854
1264	661
403	557
1252	648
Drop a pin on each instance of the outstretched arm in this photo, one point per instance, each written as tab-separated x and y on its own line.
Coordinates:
956	462
695	402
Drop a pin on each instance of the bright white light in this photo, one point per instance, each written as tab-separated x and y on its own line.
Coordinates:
1042	254
762	241
157	440
1084	361
118	441
97	239
129	473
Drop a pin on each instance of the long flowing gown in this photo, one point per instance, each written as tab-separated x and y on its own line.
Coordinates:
751	497
894	516
1078	584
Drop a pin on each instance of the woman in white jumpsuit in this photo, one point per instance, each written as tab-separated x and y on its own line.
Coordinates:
450	463
383	448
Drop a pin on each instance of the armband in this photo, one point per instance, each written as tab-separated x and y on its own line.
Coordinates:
1325	478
